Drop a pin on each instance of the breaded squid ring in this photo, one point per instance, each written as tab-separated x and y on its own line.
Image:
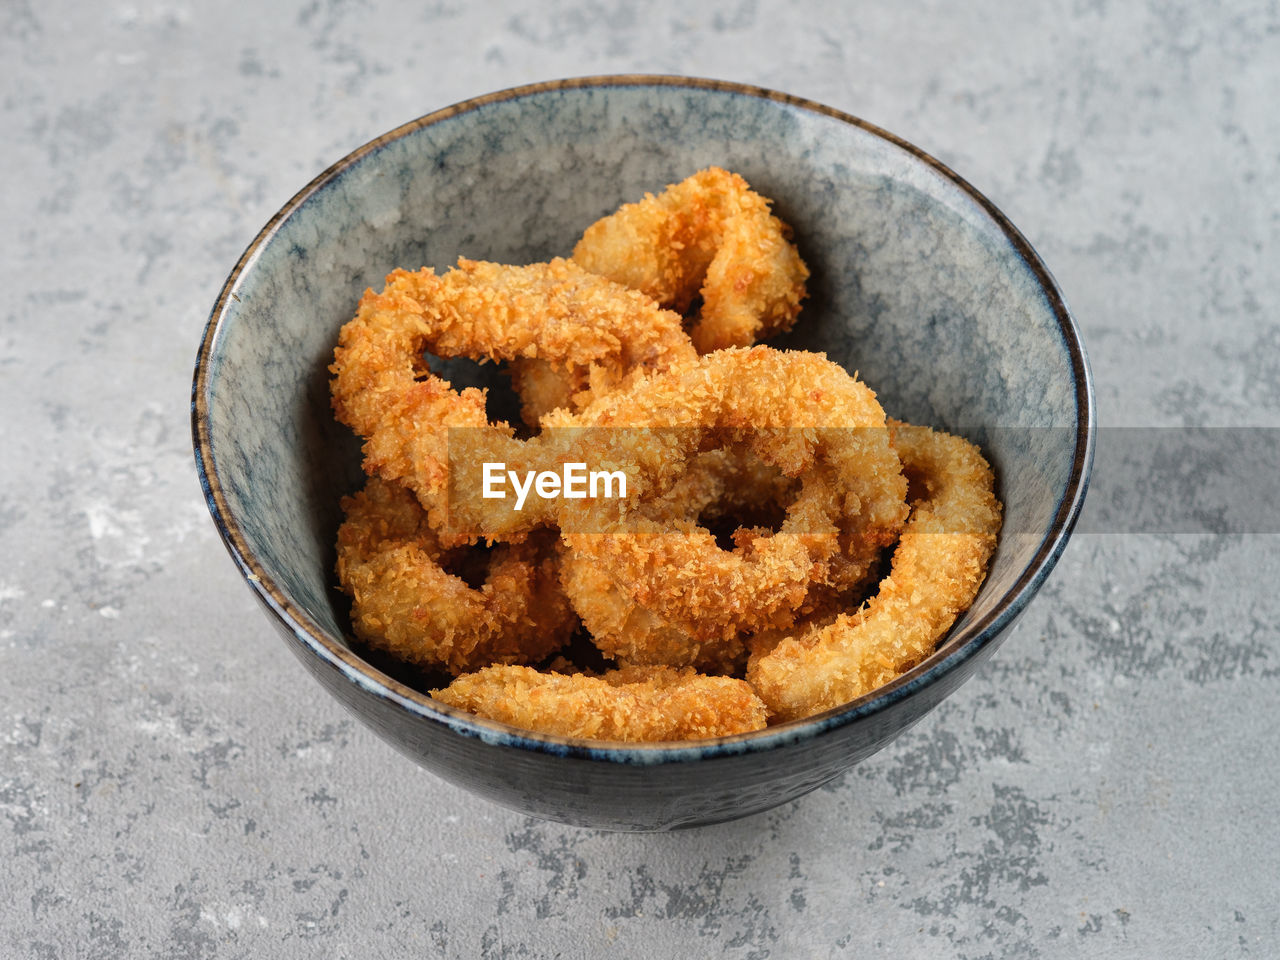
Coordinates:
938	567
553	312
404	601
712	235
633	704
720	484
653	587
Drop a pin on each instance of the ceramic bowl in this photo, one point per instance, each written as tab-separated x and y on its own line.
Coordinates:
918	282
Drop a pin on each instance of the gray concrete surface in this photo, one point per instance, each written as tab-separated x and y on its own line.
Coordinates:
173	785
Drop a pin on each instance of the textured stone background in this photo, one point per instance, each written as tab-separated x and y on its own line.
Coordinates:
173	785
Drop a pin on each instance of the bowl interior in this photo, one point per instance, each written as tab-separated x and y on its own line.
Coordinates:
914	284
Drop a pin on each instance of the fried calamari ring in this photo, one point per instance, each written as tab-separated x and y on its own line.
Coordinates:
710	234
720	485
553	312
938	566
657	588
406	602
633	704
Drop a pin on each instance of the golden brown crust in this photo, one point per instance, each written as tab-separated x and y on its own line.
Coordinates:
709	235
406	602
938	567
554	312
785	454
631	704
657	588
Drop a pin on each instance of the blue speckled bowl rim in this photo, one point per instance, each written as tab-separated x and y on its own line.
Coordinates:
955	650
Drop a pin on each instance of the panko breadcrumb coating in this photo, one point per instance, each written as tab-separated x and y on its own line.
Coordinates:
709	235
658	588
405	602
938	566
631	704
788	458
556	313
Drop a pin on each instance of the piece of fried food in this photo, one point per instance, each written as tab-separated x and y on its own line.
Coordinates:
938	567
556	313
722	486
709	235
632	704
654	586
405	601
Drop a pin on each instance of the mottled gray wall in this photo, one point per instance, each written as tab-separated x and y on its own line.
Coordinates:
173	785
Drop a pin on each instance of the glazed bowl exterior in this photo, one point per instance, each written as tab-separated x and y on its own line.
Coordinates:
918	282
